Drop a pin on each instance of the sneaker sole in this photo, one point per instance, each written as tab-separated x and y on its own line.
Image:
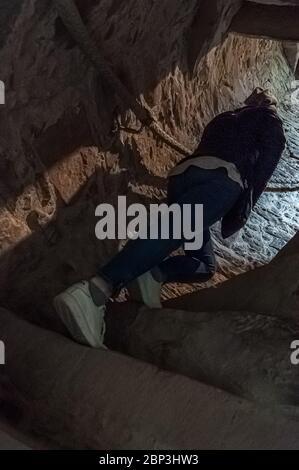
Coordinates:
76	324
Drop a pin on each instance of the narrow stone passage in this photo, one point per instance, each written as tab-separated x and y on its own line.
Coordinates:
211	369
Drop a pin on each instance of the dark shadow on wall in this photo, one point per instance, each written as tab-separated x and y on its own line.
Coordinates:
41	149
9	10
66	250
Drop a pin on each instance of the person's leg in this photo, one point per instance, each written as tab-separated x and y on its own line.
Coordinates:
82	306
193	266
214	190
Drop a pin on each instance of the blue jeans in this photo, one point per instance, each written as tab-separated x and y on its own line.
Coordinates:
212	188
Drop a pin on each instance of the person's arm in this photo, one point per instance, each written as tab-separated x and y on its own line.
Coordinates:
271	143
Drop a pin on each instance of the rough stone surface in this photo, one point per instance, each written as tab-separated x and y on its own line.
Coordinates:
61	156
245	353
95	399
276	21
272	289
292	54
9	443
63	152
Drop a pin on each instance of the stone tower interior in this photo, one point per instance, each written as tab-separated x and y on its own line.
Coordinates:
211	369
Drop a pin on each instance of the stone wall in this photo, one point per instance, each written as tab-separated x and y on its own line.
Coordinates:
62	152
84	398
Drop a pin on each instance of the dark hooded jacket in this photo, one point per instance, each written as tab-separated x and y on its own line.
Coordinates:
253	139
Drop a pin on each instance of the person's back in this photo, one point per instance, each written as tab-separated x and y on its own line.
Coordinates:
252	138
240	136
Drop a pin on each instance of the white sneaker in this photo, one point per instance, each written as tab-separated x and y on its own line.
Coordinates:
83	319
148	290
